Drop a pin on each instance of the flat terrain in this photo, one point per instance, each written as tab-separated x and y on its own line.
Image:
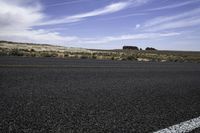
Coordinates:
68	95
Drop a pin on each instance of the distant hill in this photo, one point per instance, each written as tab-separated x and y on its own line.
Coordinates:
39	47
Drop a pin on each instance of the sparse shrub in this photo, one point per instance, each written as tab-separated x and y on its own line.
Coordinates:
3	52
123	59
48	54
60	55
83	57
66	54
32	50
24	50
16	52
131	57
33	55
94	56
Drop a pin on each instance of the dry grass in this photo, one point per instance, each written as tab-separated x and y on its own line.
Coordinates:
38	50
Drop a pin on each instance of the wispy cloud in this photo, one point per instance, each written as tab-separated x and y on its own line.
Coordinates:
124	16
174	5
186	19
65	3
187	22
132	37
159	20
78	17
112	8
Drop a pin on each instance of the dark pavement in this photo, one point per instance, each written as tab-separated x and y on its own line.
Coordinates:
67	95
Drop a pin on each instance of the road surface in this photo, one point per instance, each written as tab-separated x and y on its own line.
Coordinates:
67	95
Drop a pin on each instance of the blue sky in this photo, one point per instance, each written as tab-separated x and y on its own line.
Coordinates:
103	24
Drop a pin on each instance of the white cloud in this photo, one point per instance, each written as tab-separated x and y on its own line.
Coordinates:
17	19
36	36
16	16
137	26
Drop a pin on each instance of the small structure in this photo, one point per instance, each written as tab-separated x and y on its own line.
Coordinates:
150	48
130	48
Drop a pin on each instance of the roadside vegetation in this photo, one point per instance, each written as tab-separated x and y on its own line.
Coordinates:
149	54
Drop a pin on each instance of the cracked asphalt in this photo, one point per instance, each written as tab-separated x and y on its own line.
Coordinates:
39	95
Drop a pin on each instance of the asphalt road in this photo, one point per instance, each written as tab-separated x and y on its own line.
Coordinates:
62	95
